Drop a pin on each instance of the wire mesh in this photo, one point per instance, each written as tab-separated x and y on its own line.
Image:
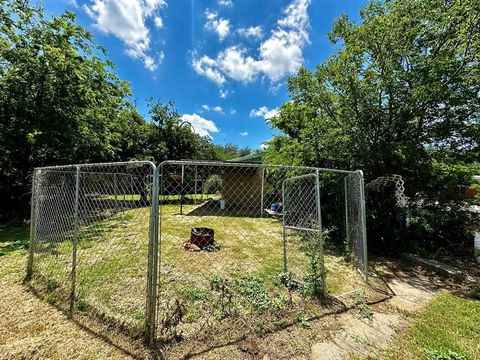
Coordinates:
91	239
354	222
53	232
195	248
244	248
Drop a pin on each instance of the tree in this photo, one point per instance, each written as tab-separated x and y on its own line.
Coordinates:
230	151
59	98
171	138
401	95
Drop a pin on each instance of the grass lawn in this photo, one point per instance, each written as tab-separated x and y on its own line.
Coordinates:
239	278
13	238
449	325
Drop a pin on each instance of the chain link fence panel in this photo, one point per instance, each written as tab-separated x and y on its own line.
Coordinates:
246	248
196	249
90	240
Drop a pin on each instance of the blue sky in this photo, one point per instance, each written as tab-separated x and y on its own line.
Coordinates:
223	62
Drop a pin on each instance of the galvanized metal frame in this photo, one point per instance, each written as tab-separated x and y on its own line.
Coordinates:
364	223
154	248
33	219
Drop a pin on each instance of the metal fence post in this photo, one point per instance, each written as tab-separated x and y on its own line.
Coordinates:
75	241
364	223
319	219
347	228
33	220
195	185
153	260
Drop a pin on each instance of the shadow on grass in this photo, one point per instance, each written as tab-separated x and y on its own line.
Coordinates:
84	324
331	306
13	238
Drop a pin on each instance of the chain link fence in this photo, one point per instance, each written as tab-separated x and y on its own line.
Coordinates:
91	228
196	249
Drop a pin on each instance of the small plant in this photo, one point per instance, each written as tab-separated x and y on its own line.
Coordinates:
255	291
444	355
172	319
363	308
315	279
194	294
52	285
225	300
303	321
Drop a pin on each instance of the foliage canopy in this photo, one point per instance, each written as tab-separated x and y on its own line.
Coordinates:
400	96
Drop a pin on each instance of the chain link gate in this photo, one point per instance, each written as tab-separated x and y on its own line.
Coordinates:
193	248
302	222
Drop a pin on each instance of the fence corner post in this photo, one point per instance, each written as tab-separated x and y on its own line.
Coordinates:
364	223
33	219
75	241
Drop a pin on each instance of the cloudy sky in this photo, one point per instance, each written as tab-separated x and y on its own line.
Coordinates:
223	62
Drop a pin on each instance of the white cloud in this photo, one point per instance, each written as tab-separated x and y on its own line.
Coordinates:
218	109
223	93
279	55
73	3
206	67
225	2
150	62
125	19
158	22
255	32
200	125
264	112
263	146
233	112
220	25
244	133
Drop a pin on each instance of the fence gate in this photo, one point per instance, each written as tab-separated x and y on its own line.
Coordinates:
355	221
302	223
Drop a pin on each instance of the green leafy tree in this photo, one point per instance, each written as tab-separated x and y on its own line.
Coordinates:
59	97
401	96
230	151
171	138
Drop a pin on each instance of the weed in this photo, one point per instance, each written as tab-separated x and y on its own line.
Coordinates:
363	308
254	290
225	300
194	294
52	285
444	355
172	319
303	321
315	278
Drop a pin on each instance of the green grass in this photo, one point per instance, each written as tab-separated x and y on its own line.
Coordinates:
112	258
448	325
13	238
136	197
